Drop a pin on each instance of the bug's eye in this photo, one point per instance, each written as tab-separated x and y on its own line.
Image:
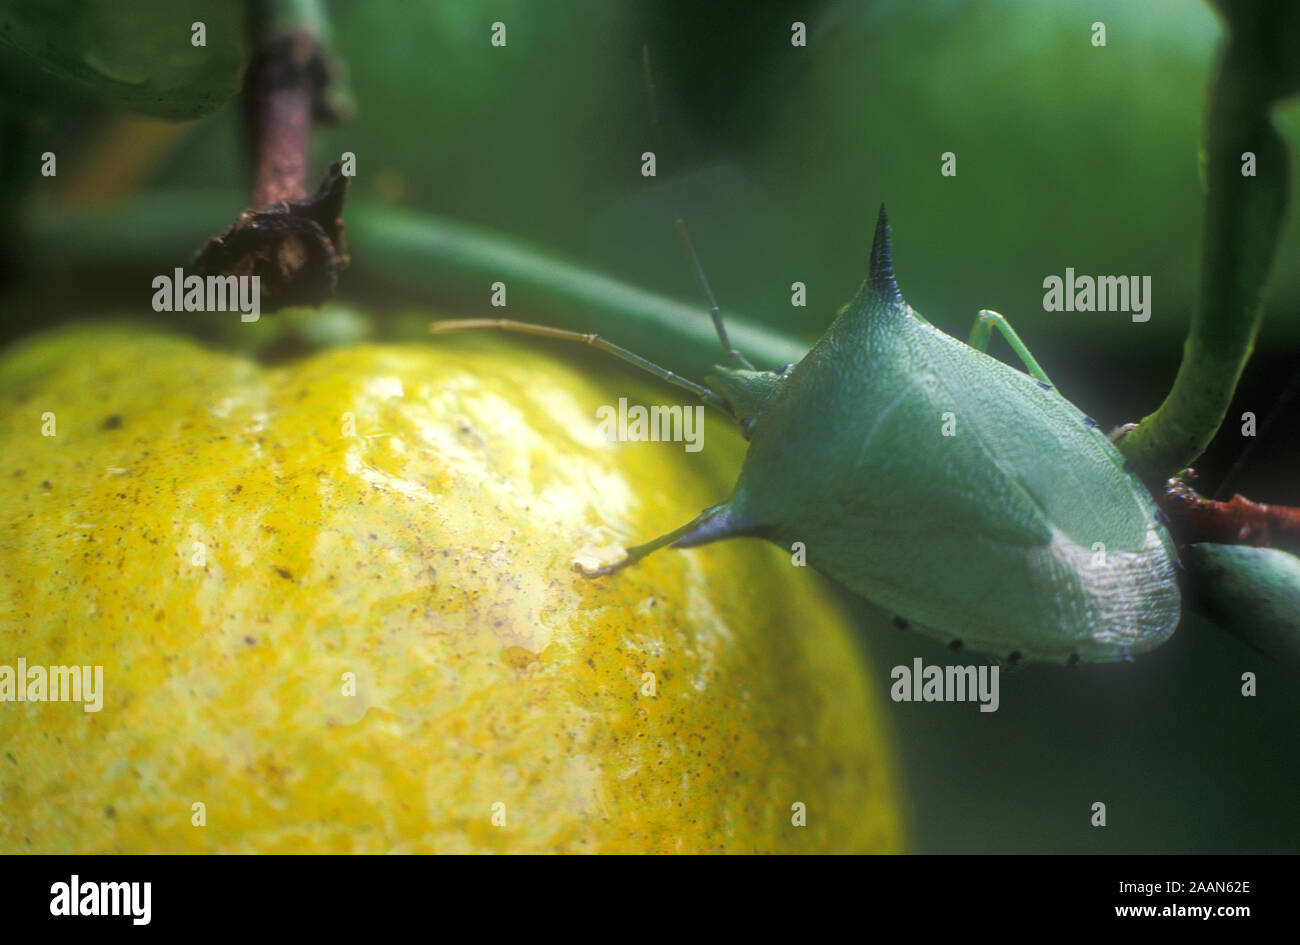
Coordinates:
747	427
784	369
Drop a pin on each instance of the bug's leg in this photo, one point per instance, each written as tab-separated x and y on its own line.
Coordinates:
710	525
985	322
527	328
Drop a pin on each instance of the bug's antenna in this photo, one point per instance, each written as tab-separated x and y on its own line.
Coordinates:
545	331
680	222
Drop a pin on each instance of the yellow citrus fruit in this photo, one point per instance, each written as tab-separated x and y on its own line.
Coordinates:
335	609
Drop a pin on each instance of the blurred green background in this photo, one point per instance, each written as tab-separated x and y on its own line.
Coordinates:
1068	155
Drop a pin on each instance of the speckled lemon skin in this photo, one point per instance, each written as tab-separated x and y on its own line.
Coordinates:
428	551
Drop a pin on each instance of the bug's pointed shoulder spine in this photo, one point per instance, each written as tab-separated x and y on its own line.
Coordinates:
880	276
879	297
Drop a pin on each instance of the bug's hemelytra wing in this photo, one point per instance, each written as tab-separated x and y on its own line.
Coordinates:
1018	532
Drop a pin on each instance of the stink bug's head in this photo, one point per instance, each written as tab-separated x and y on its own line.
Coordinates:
747	392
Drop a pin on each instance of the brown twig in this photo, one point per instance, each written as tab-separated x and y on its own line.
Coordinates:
283	80
1193	519
292	241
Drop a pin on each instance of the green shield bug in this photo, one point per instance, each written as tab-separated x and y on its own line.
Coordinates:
969	498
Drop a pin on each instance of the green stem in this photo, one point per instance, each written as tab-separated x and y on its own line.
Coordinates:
1243	217
430	256
403	246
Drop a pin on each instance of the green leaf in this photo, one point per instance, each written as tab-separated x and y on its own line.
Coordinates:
1253	593
138	56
